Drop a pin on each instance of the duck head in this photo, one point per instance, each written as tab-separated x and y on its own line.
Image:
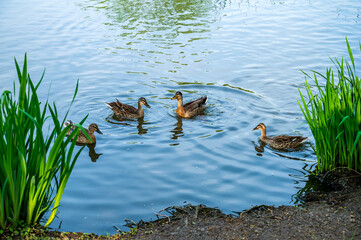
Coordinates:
178	95
94	128
142	101
260	126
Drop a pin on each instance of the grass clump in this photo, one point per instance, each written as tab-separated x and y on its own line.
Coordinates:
34	168
334	115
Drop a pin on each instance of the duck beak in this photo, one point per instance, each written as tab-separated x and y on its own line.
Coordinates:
254	128
98	131
146	104
175	96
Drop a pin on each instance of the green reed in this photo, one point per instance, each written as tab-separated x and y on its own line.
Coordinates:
34	168
334	115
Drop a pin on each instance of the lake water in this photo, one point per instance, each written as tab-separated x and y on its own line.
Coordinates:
245	55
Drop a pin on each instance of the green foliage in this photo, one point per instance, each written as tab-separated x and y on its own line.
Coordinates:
34	168
334	116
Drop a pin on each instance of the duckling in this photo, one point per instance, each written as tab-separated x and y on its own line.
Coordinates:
189	109
82	139
127	111
280	142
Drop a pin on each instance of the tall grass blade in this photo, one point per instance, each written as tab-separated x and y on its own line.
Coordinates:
34	168
333	115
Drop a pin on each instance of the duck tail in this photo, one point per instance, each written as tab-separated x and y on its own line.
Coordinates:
108	104
67	123
205	99
119	104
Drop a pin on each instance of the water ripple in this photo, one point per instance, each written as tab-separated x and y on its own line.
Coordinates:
245	55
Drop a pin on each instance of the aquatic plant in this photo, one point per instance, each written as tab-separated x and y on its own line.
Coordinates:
334	115
34	168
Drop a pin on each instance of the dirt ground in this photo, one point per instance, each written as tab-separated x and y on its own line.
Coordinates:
337	217
335	214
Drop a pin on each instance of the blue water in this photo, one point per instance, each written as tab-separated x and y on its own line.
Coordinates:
245	55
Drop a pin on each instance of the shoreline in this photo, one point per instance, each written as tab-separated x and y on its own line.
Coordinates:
331	214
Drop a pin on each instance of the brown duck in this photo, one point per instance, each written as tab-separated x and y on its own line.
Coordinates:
189	109
127	111
281	141
82	139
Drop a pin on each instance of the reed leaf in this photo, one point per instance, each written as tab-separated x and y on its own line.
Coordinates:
34	168
333	115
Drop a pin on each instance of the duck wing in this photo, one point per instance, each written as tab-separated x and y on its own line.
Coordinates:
285	141
67	123
195	107
121	108
285	138
126	108
196	104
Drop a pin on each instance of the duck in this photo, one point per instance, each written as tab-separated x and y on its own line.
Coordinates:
281	141
82	139
189	109
127	111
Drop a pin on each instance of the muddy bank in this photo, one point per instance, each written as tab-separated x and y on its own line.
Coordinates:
333	213
331	210
336	217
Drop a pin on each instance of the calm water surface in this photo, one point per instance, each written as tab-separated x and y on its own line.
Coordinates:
245	55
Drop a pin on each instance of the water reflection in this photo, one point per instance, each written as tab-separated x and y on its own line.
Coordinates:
177	132
141	130
158	19
160	29
117	120
259	148
312	183
292	158
92	154
124	121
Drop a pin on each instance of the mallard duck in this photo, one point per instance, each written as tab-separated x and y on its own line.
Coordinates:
189	109
279	142
82	139
127	111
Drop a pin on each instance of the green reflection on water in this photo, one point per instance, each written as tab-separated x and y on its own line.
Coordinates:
158	19
238	88
167	33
